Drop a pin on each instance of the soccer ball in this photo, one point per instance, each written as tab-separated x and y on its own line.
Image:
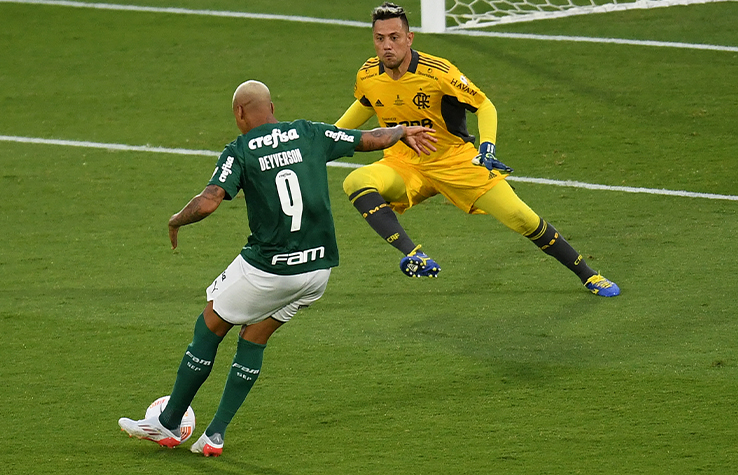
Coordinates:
186	428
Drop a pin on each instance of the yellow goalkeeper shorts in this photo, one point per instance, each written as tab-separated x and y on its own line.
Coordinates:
404	184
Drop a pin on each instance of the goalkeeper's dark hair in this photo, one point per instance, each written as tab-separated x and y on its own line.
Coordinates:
389	10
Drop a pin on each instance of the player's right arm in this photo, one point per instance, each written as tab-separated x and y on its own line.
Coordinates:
355	116
199	208
415	137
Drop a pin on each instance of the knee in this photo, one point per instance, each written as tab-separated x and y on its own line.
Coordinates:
357	181
502	203
519	219
523	221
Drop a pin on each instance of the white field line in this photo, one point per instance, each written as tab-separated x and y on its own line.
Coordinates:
585	39
212	154
265	16
185	11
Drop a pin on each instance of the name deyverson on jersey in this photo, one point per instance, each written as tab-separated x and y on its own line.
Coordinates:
280	159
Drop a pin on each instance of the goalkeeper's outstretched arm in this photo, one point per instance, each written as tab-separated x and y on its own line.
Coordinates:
355	116
487	122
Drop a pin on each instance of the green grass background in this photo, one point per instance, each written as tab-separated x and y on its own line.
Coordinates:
505	364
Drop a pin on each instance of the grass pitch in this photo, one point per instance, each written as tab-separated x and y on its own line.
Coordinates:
504	364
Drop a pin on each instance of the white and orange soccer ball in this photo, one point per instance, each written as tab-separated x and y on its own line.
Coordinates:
186	428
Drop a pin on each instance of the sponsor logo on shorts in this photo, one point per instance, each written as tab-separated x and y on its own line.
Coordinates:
299	257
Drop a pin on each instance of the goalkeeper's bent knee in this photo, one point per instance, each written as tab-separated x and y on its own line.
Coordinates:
503	204
358	183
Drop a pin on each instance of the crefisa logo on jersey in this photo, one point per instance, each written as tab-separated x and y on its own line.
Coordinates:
340	135
273	139
226	170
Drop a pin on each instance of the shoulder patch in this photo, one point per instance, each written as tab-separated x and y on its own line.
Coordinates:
434	63
369	64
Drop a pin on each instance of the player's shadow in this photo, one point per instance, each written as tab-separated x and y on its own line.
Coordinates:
520	346
235	462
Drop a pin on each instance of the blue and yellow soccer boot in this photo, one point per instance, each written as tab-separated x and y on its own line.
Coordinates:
601	286
418	264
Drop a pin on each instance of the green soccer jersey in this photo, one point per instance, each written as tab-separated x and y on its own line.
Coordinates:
281	169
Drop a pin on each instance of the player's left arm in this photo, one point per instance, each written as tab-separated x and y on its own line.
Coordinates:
487	121
487	124
199	208
463	89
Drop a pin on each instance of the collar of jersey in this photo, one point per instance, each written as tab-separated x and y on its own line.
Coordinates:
413	63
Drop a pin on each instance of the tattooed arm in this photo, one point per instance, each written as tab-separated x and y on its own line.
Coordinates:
415	137
199	207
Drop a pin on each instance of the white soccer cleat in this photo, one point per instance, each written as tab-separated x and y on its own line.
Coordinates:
208	446
150	429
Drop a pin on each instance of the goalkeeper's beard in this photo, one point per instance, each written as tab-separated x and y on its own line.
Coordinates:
393	63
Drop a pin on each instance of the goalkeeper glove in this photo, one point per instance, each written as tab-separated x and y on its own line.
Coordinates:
486	158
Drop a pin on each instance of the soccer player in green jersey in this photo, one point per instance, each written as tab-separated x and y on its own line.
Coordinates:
286	262
404	86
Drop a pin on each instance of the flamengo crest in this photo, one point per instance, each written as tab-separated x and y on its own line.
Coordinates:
422	100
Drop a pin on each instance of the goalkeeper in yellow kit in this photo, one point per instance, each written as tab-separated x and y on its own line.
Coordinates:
404	86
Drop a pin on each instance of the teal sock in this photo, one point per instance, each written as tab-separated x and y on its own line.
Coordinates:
193	371
241	378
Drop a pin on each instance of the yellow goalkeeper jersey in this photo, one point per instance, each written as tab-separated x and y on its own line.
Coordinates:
433	93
